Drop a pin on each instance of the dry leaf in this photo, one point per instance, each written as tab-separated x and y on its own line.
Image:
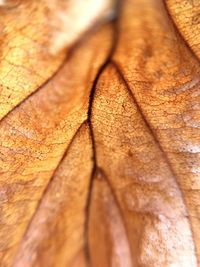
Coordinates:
100	149
34	39
186	15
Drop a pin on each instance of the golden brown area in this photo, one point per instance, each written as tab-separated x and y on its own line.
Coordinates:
100	150
35	41
186	15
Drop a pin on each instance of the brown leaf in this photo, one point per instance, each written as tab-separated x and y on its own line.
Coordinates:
36	134
58	224
34	40
164	77
100	165
141	176
186	14
111	240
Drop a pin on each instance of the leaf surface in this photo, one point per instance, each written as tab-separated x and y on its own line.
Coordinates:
36	134
186	15
35	42
100	165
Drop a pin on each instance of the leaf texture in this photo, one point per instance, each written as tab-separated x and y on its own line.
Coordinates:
186	15
60	215
100	158
33	51
35	135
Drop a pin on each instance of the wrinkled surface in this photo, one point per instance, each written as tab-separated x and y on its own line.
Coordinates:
62	205
186	15
35	40
35	136
100	164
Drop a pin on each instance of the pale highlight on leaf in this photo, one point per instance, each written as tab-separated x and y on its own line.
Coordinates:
68	24
34	39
